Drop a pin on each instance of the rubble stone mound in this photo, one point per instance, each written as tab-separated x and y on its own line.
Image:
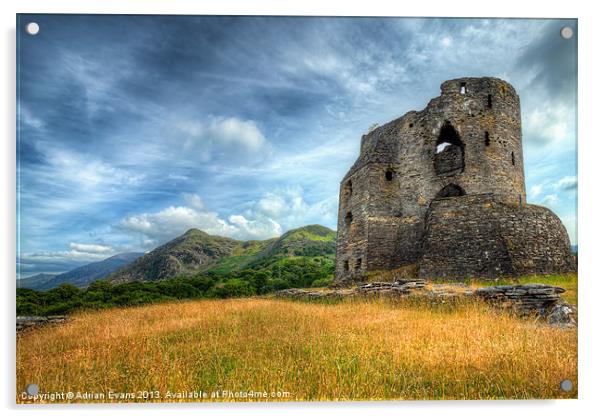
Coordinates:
306	294
524	299
400	287
562	315
27	322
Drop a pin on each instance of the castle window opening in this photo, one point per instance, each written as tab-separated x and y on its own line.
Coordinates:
463	88
489	101
348	218
487	141
411	125
349	187
346	265
449	153
389	175
512	156
358	264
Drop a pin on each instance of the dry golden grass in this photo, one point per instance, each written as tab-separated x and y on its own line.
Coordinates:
347	351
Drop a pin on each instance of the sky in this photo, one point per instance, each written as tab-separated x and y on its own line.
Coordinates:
134	129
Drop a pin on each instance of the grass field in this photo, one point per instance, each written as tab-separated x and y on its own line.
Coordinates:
353	350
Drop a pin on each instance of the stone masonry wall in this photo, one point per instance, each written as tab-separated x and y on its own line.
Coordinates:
476	236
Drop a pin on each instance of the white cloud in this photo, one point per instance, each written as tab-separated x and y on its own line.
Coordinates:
233	136
233	131
91	248
567	183
447	41
269	216
549	123
550	199
194	201
166	224
85	172
177	177
77	253
256	229
289	209
536	190
272	205
29	119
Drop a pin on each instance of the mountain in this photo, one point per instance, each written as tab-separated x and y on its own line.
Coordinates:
81	276
182	255
35	282
309	240
197	251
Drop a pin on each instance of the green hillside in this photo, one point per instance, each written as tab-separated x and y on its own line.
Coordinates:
183	255
198	252
295	245
199	265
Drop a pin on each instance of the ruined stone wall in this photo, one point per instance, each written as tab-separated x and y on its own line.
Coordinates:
490	136
399	172
352	226
477	236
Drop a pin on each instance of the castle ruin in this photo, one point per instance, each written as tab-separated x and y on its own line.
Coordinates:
444	188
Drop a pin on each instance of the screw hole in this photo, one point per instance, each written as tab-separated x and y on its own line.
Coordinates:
566	32
32	28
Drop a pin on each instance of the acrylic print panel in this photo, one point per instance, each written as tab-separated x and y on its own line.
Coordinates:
222	208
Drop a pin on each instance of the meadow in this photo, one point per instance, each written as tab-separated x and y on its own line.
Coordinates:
298	351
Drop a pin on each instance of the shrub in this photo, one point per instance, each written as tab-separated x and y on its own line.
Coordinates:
325	282
234	288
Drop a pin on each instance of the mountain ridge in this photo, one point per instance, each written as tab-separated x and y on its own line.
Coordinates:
197	251
81	276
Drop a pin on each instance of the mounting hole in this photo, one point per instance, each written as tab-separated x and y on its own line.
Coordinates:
566	32
32	28
32	389
566	385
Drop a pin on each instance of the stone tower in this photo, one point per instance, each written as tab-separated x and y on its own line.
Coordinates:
444	187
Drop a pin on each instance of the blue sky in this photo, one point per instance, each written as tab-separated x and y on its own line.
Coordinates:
133	129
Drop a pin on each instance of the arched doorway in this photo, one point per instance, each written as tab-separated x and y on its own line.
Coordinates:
449	154
451	190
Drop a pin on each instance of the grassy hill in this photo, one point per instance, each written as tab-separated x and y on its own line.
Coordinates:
295	245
